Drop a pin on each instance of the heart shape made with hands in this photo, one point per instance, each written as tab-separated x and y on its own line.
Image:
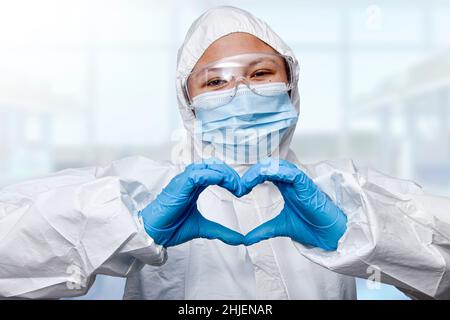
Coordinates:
308	216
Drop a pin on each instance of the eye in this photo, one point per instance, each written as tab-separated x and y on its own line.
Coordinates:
261	73
216	83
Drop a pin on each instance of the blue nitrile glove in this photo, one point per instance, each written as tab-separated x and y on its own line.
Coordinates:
308	217
173	218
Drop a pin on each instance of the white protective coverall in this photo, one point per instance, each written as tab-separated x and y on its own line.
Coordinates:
58	232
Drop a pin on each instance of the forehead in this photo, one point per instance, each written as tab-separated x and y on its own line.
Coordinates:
230	45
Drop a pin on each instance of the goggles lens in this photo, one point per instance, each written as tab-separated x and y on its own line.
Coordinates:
253	69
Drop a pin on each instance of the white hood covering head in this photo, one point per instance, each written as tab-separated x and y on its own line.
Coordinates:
210	26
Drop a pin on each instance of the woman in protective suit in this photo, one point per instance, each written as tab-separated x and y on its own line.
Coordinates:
235	215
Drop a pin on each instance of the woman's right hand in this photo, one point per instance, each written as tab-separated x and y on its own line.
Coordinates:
173	218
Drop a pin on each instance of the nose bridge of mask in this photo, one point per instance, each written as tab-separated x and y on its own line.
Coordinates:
247	109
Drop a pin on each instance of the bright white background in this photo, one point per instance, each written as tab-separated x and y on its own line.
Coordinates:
86	82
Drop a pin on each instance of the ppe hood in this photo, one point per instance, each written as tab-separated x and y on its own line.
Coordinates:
210	26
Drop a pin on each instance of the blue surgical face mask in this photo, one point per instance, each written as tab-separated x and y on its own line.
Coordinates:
247	129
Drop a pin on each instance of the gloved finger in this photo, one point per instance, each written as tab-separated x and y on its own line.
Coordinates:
175	204
270	229
187	186
287	163
252	177
213	230
184	189
217	175
257	175
178	184
232	180
212	164
195	166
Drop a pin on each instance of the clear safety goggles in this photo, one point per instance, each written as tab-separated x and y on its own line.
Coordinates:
252	69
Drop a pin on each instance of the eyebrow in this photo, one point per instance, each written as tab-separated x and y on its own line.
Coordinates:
260	60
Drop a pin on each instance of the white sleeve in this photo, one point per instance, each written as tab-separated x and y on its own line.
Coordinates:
58	232
394	230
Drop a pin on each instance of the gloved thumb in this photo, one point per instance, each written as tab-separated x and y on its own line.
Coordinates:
212	230
270	229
